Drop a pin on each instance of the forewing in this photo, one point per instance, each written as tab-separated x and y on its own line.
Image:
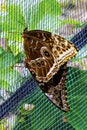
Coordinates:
39	58
38	34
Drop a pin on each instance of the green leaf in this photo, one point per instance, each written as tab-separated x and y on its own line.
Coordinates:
16	47
1	50
9	78
14	19
44	8
77	98
7	59
3	83
13	23
2	127
49	23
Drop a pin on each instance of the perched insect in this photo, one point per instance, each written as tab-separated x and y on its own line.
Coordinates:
46	58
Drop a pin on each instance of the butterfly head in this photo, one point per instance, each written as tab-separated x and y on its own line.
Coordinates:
24	34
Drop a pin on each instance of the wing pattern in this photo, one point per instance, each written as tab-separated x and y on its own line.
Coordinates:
46	58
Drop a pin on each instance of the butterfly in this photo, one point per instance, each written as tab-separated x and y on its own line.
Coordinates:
46	58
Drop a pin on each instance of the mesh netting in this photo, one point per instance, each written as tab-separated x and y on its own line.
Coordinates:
23	105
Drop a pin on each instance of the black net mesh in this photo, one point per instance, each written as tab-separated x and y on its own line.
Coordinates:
23	105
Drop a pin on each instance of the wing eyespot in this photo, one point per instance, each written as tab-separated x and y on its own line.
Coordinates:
56	53
46	52
42	63
38	64
58	48
63	46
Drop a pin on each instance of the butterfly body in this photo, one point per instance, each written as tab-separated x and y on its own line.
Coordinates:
46	58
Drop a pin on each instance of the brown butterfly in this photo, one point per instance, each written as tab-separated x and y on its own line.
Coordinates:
46	58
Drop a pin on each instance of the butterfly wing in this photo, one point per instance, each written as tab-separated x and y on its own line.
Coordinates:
39	54
55	89
38	34
46	57
46	53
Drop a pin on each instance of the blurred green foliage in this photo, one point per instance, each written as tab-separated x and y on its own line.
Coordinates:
8	76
